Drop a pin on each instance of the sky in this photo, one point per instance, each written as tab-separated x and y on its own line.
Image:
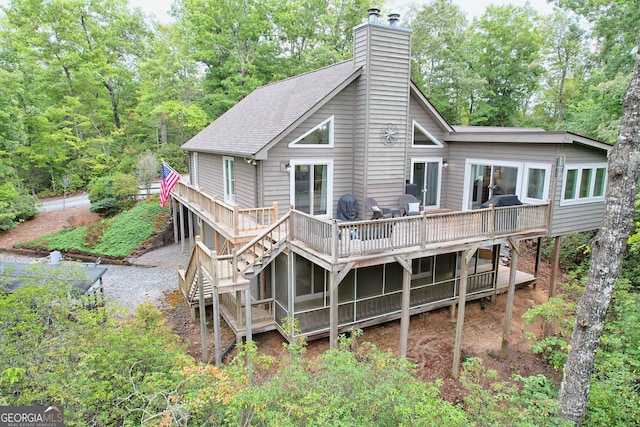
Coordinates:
473	8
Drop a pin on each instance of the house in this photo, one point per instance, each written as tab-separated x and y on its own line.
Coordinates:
267	177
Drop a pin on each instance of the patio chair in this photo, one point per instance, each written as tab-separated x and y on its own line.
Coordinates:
377	212
410	204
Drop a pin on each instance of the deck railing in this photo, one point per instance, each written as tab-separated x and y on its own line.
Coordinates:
345	239
237	219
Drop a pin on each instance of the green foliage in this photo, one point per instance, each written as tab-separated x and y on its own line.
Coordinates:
15	206
356	384
118	237
490	402
109	194
557	316
614	397
102	370
575	251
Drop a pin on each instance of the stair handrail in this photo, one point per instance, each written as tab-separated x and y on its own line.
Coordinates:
236	255
186	277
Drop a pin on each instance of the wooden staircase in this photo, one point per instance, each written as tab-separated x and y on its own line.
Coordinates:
232	272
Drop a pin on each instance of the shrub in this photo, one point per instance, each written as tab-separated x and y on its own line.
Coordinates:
15	207
534	403
106	207
557	317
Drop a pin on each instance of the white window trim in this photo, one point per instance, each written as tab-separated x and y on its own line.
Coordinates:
525	182
436	142
580	167
430	160
228	198
467	176
311	162
330	121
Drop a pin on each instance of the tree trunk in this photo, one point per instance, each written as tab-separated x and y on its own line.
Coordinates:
608	249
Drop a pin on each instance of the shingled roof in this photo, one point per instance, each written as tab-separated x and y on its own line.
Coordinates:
270	111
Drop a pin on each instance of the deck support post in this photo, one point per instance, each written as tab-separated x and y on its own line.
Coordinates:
239	322
462	300
554	266
247	313
182	234
333	311
538	260
452	312
190	222
203	317
174	213
515	246
335	278
405	318
216	325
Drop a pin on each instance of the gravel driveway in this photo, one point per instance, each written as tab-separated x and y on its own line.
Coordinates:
149	278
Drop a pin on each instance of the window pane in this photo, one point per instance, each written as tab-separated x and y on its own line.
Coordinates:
570	186
320	189
302	188
535	183
598	189
585	183
505	179
319	136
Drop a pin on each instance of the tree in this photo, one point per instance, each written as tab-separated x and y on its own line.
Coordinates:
440	65
146	170
608	250
565	55
507	56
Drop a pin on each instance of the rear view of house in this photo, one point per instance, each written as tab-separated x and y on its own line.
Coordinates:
268	178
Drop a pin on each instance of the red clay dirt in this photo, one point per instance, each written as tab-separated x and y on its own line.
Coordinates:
431	335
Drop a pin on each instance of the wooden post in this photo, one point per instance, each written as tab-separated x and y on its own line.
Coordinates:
491	220
462	300
190	222
554	266
216	307
452	312
182	229
174	212
216	325
405	318
203	317
239	321
512	290
538	260
333	311
247	313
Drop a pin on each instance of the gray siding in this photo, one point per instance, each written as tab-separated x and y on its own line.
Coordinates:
210	171
210	174
277	182
579	217
383	91
459	152
417	113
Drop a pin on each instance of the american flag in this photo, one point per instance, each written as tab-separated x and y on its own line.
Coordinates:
168	178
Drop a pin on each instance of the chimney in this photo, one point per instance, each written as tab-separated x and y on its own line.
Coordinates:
393	19
374	13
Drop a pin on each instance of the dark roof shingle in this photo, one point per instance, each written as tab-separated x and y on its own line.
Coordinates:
268	111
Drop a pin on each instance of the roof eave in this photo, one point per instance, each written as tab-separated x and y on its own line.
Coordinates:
439	119
263	152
